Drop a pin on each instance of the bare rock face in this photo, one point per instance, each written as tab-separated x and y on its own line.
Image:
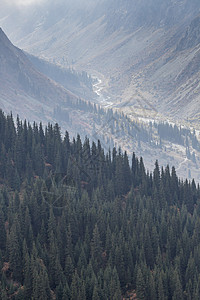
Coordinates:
191	37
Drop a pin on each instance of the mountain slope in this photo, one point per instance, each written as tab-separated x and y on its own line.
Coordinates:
32	95
141	49
23	87
78	83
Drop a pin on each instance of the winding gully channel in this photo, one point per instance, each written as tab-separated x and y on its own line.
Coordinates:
102	99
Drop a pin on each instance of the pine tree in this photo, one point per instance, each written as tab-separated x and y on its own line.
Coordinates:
95	295
69	269
66	292
140	285
75	286
96	248
178	292
15	251
2	230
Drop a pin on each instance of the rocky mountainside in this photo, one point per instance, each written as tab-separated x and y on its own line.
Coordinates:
79	83
144	51
23	89
141	70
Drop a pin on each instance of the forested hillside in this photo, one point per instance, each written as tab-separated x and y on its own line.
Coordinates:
78	223
78	83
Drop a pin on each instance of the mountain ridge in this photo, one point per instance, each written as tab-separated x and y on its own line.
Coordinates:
143	45
20	80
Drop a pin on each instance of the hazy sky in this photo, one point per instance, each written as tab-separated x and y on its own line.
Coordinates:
23	2
4	3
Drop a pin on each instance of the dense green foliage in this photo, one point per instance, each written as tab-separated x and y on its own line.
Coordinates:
76	223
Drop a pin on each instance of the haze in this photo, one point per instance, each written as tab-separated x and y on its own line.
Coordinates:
22	2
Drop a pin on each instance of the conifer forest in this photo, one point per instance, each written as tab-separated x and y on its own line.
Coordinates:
81	223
